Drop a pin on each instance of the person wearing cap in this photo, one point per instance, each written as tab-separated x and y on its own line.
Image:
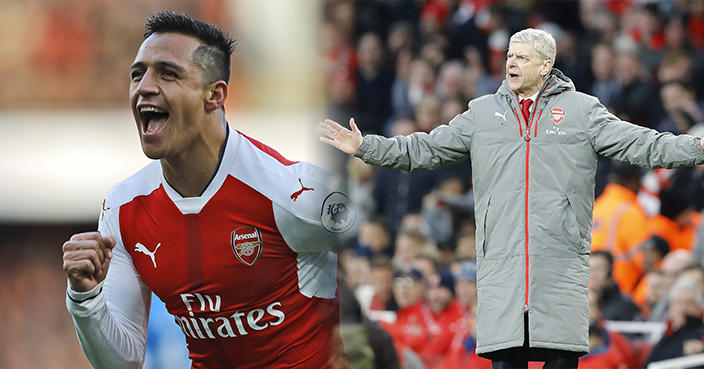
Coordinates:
443	317
462	352
620	223
533	146
408	288
466	286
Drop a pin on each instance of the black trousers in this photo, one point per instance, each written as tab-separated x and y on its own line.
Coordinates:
518	357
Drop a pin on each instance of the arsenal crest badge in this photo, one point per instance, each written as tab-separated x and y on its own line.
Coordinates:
557	115
247	244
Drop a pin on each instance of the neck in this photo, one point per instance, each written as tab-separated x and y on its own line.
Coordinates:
534	90
191	172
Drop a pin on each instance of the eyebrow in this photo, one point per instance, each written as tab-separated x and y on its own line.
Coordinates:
160	65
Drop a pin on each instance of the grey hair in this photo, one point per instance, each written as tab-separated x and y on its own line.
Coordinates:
543	42
684	284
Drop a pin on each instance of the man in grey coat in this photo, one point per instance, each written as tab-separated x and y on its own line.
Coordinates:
533	147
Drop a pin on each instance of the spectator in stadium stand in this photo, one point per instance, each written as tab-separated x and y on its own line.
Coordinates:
223	229
533	166
620	223
466	286
374	236
409	244
656	291
605	86
382	279
672	266
408	330
616	344
442	316
462	352
427	261
367	344
615	305
684	321
650	256
639	101
681	106
396	193
602	353
694	272
677	222
374	81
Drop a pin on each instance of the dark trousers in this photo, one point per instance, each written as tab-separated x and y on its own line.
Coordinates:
518	357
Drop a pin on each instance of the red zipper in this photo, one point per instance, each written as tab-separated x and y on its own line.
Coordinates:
527	138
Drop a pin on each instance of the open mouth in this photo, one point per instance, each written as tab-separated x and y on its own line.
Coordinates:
153	119
512	75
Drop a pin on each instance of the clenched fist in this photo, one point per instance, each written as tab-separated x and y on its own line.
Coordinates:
86	259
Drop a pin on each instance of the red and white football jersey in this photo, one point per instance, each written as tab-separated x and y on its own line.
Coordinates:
247	268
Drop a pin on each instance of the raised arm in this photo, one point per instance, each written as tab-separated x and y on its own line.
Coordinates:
110	308
417	151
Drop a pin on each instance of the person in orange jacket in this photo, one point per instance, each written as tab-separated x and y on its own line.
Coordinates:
677	222
620	224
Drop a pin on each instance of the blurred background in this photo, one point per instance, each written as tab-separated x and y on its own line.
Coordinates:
67	133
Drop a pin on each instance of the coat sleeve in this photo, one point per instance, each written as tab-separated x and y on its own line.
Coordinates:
421	151
111	321
638	145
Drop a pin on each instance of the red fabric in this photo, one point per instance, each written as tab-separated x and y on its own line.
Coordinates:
618	7
459	355
696	30
525	109
429	335
377	304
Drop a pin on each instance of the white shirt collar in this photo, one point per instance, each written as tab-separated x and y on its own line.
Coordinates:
534	97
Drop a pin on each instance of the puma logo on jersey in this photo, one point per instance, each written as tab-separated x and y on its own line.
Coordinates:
143	249
497	114
295	195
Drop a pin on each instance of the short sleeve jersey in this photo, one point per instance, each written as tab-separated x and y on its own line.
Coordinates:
246	269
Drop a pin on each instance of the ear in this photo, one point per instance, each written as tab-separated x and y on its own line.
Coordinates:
215	96
545	69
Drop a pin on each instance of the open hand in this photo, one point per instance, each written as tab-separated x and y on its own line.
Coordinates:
86	259
342	138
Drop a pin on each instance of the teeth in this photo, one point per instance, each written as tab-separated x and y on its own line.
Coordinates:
152	109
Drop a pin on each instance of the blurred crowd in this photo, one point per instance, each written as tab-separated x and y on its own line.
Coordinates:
399	66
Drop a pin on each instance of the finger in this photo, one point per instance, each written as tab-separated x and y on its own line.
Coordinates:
326	130
90	255
78	270
109	242
86	236
330	141
91	245
353	125
333	124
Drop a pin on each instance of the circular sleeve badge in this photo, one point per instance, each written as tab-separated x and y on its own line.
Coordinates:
337	214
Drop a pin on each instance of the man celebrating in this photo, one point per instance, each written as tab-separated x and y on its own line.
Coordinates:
232	237
533	146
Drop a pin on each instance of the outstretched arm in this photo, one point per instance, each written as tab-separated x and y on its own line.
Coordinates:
341	137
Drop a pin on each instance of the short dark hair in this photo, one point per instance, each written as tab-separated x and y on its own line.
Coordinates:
214	53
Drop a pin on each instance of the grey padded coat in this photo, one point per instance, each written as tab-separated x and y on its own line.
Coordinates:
534	196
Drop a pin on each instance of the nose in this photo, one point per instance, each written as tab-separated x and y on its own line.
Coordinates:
511	61
148	85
